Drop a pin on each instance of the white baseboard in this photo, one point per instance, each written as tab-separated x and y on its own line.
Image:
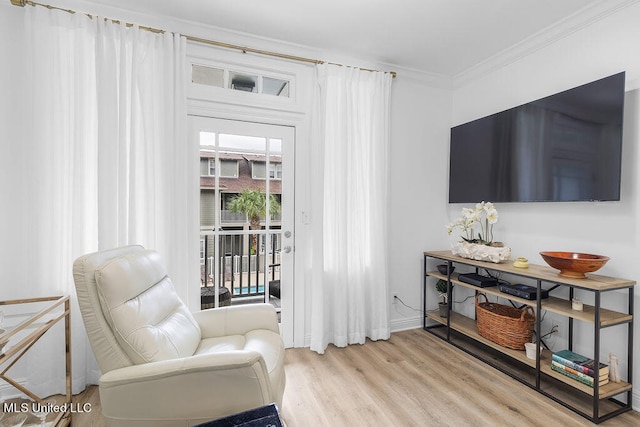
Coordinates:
406	324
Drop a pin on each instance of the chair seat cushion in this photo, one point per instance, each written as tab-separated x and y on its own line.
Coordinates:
221	344
265	342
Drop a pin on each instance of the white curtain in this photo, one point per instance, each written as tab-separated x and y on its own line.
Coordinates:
349	207
105	162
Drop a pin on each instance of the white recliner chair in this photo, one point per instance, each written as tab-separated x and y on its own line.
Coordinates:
163	365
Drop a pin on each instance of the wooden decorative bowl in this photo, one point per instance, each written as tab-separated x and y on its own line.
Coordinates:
574	264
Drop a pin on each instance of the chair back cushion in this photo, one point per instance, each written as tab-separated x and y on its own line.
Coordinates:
141	306
108	352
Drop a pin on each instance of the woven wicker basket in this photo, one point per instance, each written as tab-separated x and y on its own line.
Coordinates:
504	325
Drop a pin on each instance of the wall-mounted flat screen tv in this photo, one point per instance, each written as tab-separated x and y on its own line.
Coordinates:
565	147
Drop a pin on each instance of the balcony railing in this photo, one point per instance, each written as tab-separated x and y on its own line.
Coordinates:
229	217
243	273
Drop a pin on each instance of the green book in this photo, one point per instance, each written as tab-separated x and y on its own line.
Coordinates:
574	373
580	363
570	375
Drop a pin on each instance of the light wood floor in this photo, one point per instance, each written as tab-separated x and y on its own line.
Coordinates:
413	379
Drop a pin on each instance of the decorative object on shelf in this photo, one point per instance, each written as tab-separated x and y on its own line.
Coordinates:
482	247
580	363
479	252
577	375
442	268
530	348
576	305
443	307
521	262
484	214
574	264
614	374
504	325
579	368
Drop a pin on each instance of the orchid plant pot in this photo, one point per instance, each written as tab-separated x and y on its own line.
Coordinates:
496	252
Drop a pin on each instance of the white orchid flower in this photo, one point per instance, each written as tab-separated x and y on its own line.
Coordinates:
485	214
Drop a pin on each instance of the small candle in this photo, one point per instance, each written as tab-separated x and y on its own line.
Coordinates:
576	304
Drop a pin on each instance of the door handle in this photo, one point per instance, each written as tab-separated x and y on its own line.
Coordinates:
286	249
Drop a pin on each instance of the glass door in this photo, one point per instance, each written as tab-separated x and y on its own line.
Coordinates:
246	215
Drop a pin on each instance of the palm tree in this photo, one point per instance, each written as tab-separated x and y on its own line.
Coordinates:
253	203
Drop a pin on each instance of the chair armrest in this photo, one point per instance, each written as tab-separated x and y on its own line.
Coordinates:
236	320
196	388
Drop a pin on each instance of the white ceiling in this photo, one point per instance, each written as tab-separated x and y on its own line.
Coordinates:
439	36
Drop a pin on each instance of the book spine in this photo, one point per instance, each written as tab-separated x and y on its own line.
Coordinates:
573	365
570	375
587	379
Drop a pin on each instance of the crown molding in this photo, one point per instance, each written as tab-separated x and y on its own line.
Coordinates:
426	78
552	34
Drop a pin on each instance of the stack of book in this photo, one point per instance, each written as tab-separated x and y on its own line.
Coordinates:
579	367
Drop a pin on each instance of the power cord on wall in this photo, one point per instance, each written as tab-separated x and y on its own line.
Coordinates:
554	330
397	298
465	300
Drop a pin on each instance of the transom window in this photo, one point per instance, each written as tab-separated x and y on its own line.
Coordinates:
240	81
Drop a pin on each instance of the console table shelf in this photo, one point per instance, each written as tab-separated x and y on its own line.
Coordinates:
468	327
533	372
556	305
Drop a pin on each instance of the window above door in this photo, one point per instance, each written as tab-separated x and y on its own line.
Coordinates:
227	78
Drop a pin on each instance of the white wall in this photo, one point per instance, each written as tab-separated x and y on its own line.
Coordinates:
609	228
420	122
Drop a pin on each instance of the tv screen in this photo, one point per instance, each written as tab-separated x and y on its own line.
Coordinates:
565	147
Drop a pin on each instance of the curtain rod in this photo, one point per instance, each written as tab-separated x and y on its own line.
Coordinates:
243	49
